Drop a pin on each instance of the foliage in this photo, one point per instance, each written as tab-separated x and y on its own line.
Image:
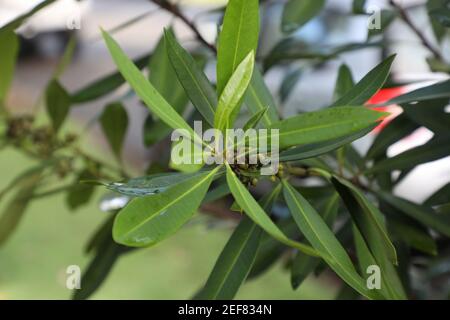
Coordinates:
352	219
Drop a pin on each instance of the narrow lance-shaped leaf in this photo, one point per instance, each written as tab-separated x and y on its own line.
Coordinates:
258	97
150	219
297	13
323	240
154	101
104	85
254	120
17	206
252	209
435	149
231	97
323	125
9	47
303	265
114	121
344	82
367	217
236	259
195	83
239	37
422	214
316	149
367	86
58	104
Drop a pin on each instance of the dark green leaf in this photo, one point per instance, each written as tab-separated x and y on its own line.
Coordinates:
435	149
367	86
58	103
288	84
194	81
114	121
422	214
440	196
254	120
297	13
81	193
239	37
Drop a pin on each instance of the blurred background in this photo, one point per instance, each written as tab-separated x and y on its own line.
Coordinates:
33	263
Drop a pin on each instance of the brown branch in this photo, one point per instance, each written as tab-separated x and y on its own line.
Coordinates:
426	43
175	10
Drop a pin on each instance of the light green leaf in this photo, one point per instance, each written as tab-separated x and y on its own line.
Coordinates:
316	149
114	122
422	214
322	239
58	103
367	86
154	101
297	13
303	265
258	97
9	48
195	83
323	125
239	37
148	220
231	97
258	215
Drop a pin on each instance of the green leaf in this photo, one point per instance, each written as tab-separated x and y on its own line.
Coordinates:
154	101
414	236
9	48
303	265
397	129
231	97
236	259
316	149
439	197
422	214
386	18
195	83
431	92
258	97
433	6
435	149
442	16
81	193
297	13
15	209
254	120
58	104
66	57
322	239
239	37
150	219
323	125
289	83
430	114
358	6
344	82
367	86
104	85
114	122
391	286
165	80
253	210
369	220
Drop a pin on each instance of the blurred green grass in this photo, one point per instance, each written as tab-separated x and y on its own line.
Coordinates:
49	238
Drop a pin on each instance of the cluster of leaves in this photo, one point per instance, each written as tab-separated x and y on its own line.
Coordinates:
350	220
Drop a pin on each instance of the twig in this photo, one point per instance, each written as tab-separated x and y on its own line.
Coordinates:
426	43
175	10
